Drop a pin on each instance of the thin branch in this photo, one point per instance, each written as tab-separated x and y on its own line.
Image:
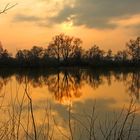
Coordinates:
31	109
7	7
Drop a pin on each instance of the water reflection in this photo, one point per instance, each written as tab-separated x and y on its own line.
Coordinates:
66	84
133	84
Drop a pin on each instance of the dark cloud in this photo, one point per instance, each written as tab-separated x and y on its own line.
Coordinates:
24	18
90	13
34	19
97	13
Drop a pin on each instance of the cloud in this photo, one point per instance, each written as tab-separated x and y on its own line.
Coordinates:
39	21
97	13
24	18
40	11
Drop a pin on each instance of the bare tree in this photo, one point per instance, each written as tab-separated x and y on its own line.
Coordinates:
95	53
133	47
63	47
121	56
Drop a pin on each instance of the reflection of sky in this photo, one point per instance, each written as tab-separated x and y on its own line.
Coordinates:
109	98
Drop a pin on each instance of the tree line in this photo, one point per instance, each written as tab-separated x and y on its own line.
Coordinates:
65	51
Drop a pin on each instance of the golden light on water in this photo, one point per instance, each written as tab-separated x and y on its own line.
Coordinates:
110	91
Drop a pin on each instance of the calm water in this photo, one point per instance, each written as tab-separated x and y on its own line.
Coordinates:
74	104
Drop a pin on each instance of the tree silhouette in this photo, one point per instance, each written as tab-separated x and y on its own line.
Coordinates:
66	51
23	57
64	47
78	53
36	54
109	55
54	48
133	47
121	56
5	57
94	55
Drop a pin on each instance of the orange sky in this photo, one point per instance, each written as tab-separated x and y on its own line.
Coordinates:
35	22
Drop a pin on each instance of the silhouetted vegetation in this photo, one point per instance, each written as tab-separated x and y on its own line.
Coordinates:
66	51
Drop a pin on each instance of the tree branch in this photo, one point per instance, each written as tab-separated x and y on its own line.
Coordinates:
7	7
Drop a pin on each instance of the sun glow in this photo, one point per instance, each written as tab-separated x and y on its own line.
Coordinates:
67	25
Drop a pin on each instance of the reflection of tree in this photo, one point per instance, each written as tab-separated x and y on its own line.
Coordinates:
120	76
3	82
35	78
133	84
93	78
34	81
65	85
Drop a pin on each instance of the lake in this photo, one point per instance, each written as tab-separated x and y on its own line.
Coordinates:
70	104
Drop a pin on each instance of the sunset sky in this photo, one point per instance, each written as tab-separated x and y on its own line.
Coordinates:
108	23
